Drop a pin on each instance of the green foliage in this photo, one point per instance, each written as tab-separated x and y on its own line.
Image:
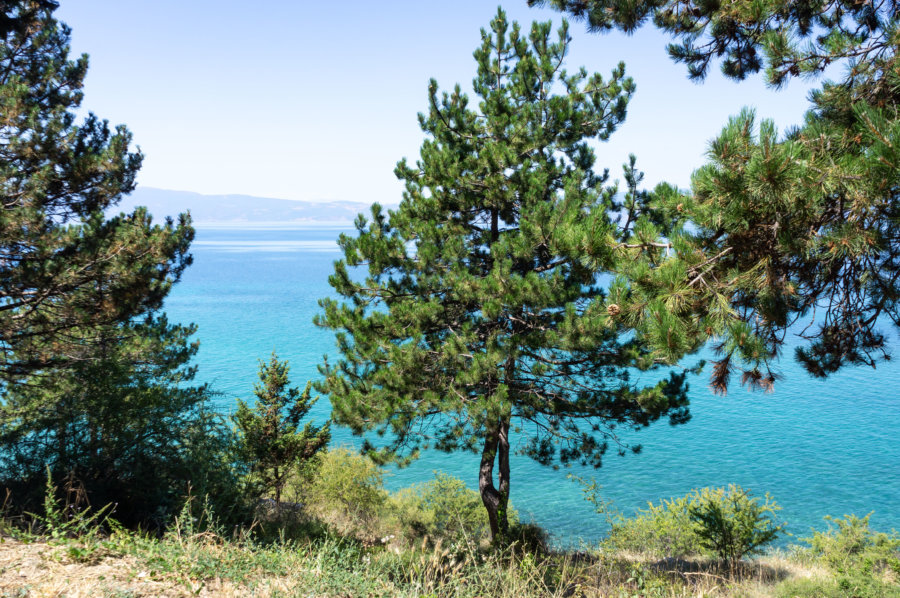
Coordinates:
443	509
726	523
661	530
270	440
96	382
783	226
69	519
865	562
346	490
127	427
68	271
732	523
787	38
862	586
481	315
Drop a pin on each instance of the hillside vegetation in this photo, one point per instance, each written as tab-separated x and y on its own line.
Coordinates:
344	535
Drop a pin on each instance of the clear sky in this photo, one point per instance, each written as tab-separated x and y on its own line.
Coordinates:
317	101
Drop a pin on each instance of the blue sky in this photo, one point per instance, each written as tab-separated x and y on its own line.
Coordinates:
317	101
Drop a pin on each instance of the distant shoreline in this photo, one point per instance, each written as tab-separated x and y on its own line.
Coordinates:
244	212
291	225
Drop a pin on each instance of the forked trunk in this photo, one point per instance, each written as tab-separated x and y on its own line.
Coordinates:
496	446
496	498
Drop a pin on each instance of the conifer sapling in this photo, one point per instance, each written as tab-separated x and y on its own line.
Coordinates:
270	437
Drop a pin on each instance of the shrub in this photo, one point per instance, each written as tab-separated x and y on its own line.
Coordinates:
442	509
270	439
732	523
864	561
852	586
346	490
849	543
726	523
662	530
531	538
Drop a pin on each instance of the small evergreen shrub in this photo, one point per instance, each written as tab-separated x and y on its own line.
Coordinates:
270	440
733	523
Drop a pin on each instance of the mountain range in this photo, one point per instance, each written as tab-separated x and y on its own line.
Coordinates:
238	210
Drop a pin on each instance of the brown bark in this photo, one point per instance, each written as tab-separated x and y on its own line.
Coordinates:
503	477
496	446
495	499
489	495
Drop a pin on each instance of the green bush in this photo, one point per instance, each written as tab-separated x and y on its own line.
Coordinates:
865	563
346	491
126	428
662	530
529	537
442	509
853	586
725	523
270	440
733	523
849	543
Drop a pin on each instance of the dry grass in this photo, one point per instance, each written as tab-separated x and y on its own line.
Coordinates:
44	571
41	570
207	565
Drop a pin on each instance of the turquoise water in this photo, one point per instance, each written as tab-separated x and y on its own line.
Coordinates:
819	447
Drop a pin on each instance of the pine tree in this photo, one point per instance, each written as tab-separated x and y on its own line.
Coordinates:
787	38
96	383
269	434
482	315
127	426
794	233
65	268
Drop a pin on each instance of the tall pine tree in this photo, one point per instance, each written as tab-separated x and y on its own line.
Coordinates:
95	382
65	268
483	316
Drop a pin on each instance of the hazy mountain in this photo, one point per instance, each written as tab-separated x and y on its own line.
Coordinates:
240	209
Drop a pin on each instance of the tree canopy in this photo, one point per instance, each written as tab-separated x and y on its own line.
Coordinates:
65	267
127	427
483	314
796	232
96	383
785	38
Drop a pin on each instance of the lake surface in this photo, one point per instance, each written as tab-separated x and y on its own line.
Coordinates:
819	447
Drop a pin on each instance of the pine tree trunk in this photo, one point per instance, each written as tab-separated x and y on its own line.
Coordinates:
496	501
489	495
495	440
503	477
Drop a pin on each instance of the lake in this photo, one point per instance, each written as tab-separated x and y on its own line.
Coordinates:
819	447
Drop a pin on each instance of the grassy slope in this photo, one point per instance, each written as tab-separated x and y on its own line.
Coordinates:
207	565
354	539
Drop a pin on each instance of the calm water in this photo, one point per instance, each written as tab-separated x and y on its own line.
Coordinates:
818	447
